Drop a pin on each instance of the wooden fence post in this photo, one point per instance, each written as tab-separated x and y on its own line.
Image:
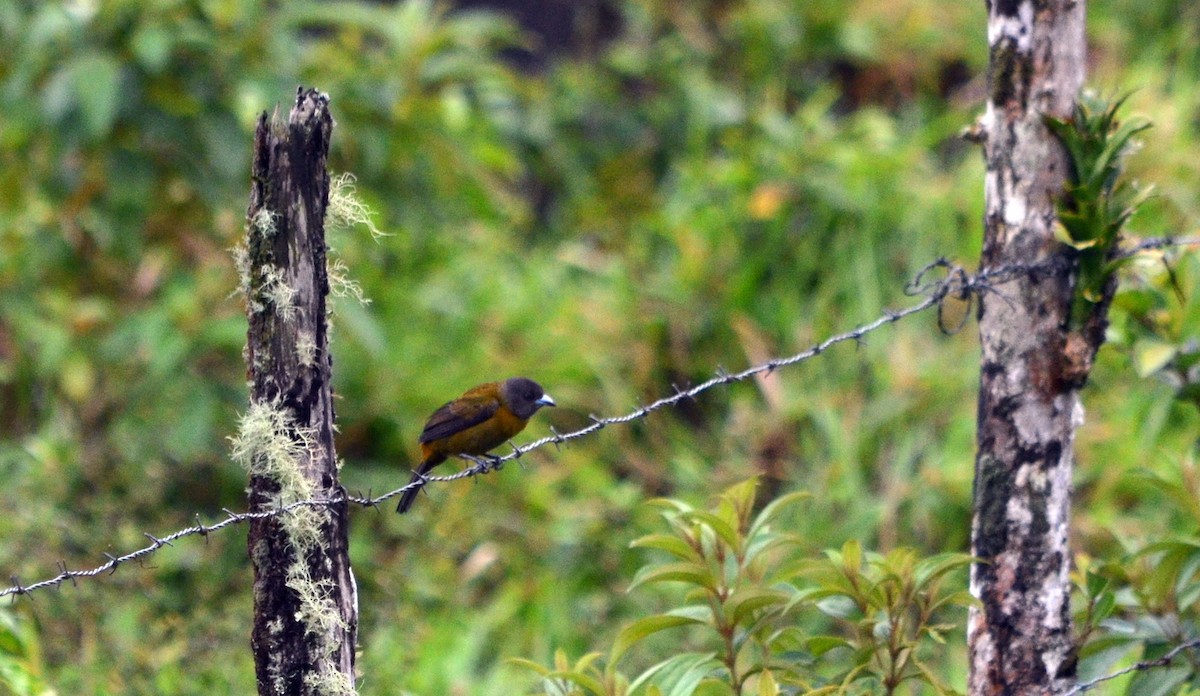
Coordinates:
305	601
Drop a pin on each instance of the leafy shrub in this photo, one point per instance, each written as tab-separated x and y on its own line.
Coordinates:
770	621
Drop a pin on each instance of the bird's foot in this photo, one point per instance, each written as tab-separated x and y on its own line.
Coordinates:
482	464
496	462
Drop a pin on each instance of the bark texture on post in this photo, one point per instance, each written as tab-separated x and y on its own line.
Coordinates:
1020	638
305	608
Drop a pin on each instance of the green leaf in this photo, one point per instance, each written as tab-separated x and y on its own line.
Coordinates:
1180	495
1151	355
1096	583
744	602
819	645
587	682
962	598
700	613
931	679
766	541
679	675
1106	165
669	504
852	557
640	629
528	664
665	542
766	684
935	567
800	597
583	663
721	526
693	573
773	510
1104	607
839	606
741	495
152	45
1062	233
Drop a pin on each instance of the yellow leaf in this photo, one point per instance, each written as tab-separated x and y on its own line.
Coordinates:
766	200
766	684
1151	356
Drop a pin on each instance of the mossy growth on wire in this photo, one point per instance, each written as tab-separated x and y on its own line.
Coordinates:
1097	202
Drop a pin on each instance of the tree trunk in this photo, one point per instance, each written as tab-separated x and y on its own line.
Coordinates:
1020	638
305	604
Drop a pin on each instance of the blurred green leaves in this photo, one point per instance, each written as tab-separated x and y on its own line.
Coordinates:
88	86
718	183
21	668
1147	601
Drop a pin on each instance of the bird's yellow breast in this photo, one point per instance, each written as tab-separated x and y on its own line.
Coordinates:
479	438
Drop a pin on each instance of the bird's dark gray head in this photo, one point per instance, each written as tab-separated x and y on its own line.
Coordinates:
524	396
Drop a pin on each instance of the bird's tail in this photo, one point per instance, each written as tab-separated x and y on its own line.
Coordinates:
407	497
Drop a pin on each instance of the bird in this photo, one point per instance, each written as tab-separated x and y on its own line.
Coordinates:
483	418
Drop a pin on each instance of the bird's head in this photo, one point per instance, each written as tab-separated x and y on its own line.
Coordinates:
524	396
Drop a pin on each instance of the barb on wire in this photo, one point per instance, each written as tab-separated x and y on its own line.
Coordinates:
1138	667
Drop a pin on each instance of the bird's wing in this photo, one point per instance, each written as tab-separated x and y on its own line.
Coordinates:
458	415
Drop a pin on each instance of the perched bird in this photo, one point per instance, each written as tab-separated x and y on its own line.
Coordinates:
483	418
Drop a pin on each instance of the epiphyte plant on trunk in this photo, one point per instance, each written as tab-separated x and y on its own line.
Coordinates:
1097	202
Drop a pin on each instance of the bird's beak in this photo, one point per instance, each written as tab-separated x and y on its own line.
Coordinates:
545	401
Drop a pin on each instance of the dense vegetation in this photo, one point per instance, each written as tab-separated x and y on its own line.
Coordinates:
721	182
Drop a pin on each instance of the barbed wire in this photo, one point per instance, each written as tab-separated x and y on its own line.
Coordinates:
200	529
954	282
1138	667
1157	243
935	291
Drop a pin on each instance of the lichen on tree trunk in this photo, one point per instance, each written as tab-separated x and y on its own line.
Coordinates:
1020	637
305	608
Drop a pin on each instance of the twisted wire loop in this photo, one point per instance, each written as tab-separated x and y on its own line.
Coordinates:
937	281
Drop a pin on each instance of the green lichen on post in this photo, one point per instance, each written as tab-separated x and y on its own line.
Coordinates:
345	212
265	222
267	287
277	293
241	262
1097	202
333	683
346	209
306	350
271	445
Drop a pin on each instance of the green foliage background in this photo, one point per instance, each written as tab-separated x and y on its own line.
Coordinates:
725	181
